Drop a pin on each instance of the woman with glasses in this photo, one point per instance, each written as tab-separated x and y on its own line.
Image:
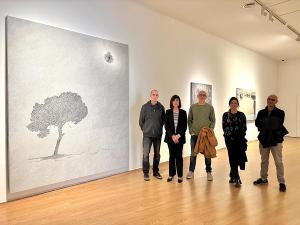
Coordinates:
234	127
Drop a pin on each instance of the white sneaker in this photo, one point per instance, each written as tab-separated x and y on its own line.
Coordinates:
190	175
209	177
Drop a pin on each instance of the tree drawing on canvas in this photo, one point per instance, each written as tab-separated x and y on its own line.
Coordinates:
57	111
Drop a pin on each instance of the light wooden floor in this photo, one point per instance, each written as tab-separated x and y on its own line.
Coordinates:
127	199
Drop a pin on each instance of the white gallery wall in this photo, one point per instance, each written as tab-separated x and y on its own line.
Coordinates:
163	53
289	93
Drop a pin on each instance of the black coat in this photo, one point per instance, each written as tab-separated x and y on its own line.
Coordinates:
270	127
170	127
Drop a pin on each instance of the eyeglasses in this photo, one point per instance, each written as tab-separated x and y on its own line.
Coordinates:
272	99
202	95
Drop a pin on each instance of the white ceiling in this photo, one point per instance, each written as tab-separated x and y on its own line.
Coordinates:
246	27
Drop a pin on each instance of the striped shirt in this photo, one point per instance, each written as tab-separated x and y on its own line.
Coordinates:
175	115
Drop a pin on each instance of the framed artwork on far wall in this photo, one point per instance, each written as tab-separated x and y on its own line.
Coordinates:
247	100
196	87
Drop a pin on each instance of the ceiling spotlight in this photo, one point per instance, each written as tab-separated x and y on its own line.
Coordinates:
249	5
263	12
272	16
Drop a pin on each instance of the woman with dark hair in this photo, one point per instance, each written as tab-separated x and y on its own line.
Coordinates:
175	125
234	127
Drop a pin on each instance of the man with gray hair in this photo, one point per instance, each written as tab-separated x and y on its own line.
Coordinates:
201	114
269	122
151	123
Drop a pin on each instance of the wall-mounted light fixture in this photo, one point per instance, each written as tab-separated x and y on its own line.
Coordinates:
108	57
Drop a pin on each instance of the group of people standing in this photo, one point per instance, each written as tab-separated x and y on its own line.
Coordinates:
200	119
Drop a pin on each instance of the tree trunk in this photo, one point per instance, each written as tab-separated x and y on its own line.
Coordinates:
60	135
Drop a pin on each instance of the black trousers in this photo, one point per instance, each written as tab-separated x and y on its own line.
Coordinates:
175	159
233	155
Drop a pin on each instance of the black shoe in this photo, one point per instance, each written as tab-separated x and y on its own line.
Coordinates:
231	180
260	181
180	179
238	183
169	179
282	187
157	175
146	177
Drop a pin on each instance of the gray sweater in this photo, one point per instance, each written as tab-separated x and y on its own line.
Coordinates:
152	119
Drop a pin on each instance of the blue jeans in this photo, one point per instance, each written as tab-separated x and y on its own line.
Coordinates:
193	158
147	143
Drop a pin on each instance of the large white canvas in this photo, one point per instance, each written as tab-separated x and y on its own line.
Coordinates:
62	78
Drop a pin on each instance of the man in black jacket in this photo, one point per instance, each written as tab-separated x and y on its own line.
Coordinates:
151	123
269	122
